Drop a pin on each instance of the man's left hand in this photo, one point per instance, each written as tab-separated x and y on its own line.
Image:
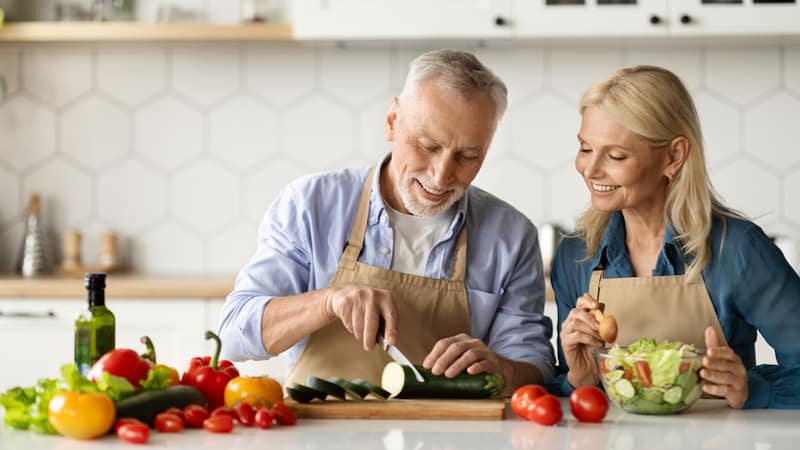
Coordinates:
452	355
724	372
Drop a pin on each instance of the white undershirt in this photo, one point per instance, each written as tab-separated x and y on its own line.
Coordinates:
414	238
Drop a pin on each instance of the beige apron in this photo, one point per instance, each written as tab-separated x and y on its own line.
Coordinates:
428	309
664	308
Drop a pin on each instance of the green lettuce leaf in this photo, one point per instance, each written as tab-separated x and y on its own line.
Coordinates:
157	378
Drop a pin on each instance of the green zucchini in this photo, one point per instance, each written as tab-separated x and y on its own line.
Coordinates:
373	389
399	381
326	387
303	394
353	390
146	405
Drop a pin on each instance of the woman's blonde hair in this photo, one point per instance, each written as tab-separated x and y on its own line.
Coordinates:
653	103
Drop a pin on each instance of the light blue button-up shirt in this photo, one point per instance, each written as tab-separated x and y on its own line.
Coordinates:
304	232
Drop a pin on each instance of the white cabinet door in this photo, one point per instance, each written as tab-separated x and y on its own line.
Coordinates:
734	17
589	18
400	19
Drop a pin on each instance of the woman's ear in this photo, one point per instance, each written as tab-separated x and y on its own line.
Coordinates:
391	120
677	154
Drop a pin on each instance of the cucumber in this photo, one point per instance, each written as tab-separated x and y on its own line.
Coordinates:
351	389
146	405
303	394
400	382
653	395
673	395
326	387
624	388
614	375
376	391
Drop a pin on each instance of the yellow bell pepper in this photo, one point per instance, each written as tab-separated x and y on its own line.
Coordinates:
257	391
81	415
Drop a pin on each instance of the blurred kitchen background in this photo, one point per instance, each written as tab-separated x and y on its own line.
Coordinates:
178	146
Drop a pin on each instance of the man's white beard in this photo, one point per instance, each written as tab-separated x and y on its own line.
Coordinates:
422	207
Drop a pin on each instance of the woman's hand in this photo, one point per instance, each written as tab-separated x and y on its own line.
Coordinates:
579	337
724	372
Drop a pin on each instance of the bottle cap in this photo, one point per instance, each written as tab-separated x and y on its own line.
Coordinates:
95	280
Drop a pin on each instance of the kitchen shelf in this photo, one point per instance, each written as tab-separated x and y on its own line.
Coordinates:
141	32
137	286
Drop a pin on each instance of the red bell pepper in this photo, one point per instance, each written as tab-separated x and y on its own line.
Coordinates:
210	374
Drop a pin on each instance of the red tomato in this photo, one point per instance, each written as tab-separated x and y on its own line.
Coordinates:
122	362
588	404
684	367
545	410
523	396
126	421
283	414
195	415
135	433
264	418
178	412
221	423
245	414
643	369
168	423
222	411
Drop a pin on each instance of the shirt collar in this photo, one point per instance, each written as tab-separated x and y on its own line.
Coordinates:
377	206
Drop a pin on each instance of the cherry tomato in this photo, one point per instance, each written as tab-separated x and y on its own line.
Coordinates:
135	433
643	369
222	411
588	404
195	415
126	421
545	410
168	423
283	414
245	414
523	396
264	418
221	423
178	412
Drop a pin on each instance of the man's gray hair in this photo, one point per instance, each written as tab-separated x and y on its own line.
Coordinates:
459	71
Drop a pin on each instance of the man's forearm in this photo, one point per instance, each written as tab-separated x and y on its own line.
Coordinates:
518	374
286	320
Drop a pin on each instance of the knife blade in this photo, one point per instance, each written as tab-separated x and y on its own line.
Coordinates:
400	358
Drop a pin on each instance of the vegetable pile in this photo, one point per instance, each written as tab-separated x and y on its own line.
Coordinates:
650	378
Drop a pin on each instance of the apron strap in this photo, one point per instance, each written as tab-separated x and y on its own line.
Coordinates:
356	240
594	283
460	261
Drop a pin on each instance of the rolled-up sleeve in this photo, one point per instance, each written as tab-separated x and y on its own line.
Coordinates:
280	267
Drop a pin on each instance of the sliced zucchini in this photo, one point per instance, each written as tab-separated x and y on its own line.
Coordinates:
400	382
625	388
373	389
304	394
351	389
326	387
673	395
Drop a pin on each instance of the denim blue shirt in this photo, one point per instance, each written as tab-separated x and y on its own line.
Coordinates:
304	232
751	286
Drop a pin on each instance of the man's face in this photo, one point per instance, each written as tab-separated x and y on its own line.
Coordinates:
439	143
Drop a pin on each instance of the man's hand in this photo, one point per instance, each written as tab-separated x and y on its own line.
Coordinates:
361	310
724	372
579	337
452	355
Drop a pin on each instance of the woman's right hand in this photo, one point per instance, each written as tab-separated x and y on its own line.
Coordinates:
579	337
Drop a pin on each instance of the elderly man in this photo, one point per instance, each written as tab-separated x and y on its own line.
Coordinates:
407	249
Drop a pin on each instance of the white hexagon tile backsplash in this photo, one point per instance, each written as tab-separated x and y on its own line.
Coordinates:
181	148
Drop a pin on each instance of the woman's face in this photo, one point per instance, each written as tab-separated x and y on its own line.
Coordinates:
621	169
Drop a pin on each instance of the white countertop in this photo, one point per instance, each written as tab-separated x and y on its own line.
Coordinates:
709	424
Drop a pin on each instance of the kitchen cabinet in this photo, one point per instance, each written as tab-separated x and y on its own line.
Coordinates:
734	17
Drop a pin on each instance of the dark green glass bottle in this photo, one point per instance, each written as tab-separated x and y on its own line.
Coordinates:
95	326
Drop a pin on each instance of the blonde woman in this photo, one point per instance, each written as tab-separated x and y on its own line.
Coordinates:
664	255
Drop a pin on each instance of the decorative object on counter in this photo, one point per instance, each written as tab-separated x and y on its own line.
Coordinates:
94	327
72	10
113	10
72	263
72	251
260	10
170	13
33	255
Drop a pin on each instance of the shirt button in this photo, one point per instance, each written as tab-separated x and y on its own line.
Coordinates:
383	219
384	251
373	221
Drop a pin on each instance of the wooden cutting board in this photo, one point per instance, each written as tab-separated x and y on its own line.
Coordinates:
491	409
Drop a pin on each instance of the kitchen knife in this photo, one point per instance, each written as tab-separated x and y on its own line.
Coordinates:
400	358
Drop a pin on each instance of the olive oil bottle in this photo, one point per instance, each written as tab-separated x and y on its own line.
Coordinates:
95	326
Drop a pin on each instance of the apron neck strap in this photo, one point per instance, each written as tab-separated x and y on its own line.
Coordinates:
356	240
460	261
594	283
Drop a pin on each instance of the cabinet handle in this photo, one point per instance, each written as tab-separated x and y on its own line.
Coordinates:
655	20
686	19
29	314
500	21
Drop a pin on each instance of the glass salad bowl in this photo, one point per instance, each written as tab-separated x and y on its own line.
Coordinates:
650	378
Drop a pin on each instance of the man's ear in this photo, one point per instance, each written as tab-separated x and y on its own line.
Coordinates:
391	120
677	154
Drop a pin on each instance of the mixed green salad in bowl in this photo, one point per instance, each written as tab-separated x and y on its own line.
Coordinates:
650	378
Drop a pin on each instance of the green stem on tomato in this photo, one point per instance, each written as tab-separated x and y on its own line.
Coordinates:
214	359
